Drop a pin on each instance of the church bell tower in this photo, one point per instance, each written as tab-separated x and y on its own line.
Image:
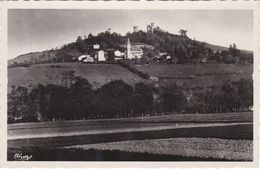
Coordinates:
128	49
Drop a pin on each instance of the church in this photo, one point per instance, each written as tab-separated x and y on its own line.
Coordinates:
133	52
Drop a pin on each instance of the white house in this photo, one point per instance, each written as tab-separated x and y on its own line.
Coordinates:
117	53
136	52
96	46
101	56
82	57
88	59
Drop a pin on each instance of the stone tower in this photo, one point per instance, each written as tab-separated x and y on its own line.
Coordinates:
128	49
135	28
152	27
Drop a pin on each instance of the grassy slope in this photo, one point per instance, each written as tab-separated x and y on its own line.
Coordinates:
204	74
97	74
220	48
179	70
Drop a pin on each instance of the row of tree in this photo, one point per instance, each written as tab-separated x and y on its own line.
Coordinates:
118	99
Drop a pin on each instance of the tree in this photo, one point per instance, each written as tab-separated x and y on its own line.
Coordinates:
173	99
245	91
80	94
143	99
79	39
41	96
20	107
58	102
181	55
183	32
68	78
90	36
80	45
117	98
234	51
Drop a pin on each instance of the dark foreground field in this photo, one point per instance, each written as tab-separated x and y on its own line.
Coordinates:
241	131
41	154
37	147
82	140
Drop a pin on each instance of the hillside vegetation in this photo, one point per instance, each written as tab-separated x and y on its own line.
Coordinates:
181	47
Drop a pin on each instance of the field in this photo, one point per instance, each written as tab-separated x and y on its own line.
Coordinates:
203	75
172	137
187	147
185	70
97	74
237	140
54	154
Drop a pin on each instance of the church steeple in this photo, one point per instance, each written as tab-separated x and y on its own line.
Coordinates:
128	49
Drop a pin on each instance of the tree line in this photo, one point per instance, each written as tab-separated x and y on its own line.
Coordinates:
118	99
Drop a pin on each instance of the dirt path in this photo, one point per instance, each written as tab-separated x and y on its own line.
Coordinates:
78	129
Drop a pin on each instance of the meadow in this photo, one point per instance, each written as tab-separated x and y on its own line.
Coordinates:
187	70
186	75
97	74
201	75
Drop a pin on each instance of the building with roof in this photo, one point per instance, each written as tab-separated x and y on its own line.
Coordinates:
133	52
88	59
82	57
101	56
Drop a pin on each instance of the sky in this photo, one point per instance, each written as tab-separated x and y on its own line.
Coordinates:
32	30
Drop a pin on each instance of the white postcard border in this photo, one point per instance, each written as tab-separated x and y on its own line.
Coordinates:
254	5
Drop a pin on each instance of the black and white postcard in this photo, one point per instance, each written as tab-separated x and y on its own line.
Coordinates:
149	84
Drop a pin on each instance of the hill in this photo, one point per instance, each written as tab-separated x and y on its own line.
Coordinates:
179	46
192	76
222	48
188	76
97	74
36	58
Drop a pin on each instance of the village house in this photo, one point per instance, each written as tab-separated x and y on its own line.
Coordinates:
82	57
101	56
88	59
119	55
96	55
